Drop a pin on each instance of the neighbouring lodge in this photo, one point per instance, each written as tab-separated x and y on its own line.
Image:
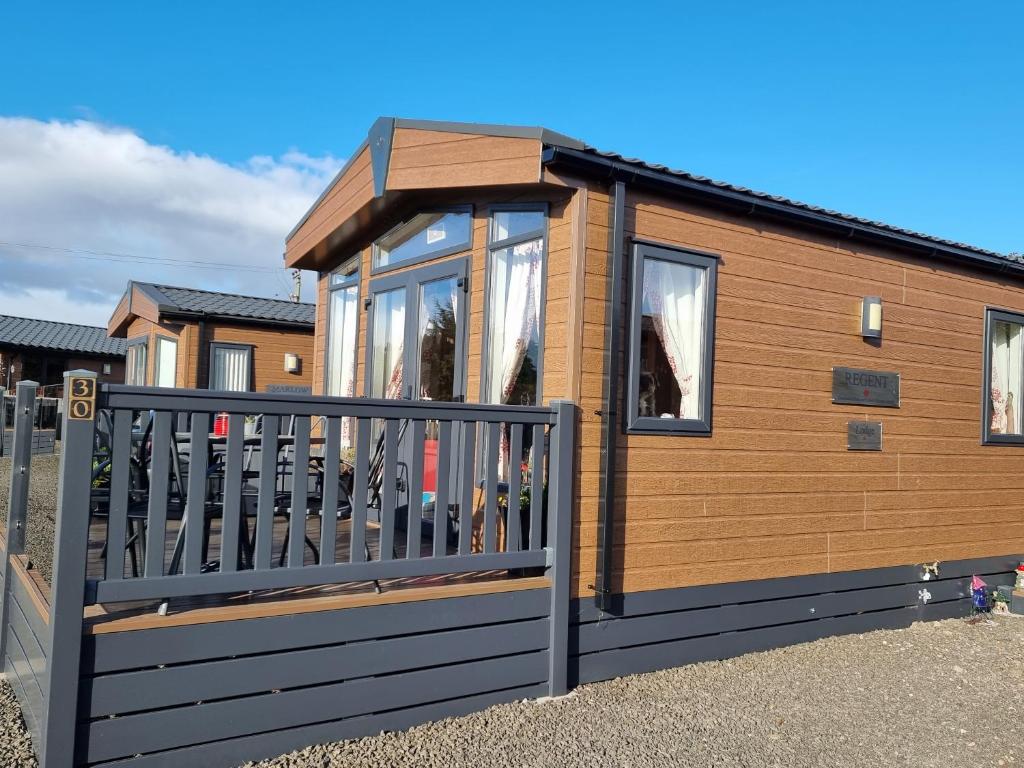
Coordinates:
41	350
572	416
195	339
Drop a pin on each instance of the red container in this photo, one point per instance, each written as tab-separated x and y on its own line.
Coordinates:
220	424
430	466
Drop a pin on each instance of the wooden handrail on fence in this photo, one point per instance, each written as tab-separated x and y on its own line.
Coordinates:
224	481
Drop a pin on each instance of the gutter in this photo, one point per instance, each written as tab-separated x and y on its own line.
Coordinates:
610	417
596	166
206	317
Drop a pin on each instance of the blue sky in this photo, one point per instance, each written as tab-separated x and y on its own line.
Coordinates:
910	113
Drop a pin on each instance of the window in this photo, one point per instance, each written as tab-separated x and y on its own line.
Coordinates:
512	373
342	324
1004	371
135	362
230	365
425	236
671	345
165	369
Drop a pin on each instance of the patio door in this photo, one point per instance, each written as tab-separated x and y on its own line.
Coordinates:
416	351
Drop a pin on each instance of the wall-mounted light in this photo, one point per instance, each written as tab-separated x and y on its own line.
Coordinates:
291	362
871	317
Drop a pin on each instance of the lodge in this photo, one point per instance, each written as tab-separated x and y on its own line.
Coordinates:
573	416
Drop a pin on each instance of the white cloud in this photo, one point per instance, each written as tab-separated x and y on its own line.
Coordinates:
87	186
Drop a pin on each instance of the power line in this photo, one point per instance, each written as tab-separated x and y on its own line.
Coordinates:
129	258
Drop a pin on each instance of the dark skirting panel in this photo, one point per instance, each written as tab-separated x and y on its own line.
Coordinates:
222	693
648	631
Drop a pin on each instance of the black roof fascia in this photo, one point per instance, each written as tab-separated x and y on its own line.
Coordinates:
617	170
182	314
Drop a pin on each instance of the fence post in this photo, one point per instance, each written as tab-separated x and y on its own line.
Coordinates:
560	503
17	499
67	592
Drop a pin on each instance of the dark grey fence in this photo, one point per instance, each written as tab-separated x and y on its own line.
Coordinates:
153	481
284	491
45	416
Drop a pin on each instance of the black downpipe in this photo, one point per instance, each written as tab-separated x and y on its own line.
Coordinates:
611	419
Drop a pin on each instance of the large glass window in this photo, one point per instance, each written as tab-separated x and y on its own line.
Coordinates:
135	362
671	345
342	326
514	334
166	362
230	366
424	236
1004	333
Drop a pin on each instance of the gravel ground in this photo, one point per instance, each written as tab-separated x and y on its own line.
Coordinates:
947	694
42	506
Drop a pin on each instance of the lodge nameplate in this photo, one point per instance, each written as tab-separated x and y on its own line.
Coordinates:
289	389
854	386
864	436
82	398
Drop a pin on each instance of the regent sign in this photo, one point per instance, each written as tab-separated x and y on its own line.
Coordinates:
82	400
853	386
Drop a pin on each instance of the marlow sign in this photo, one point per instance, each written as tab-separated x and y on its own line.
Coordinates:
853	386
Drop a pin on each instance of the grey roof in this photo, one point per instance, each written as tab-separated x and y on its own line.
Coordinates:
193	301
788	202
561	145
65	337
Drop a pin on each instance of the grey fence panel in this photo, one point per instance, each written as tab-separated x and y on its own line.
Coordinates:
231	512
17	493
117	518
414	523
329	506
513	529
357	550
19	593
124	736
492	457
297	518
160	688
191	584
194	522
468	489
32	698
31	645
388	490
267	745
67	595
560	494
207	401
267	489
537	489
106	653
444	450
156	513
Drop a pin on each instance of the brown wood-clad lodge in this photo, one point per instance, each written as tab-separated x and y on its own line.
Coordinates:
725	312
197	339
573	416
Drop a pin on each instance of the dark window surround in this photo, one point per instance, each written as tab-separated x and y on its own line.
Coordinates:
497	245
347	281
229	345
156	357
138	341
649	425
446	251
992	316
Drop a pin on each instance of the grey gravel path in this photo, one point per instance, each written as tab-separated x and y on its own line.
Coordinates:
944	694
947	694
42	506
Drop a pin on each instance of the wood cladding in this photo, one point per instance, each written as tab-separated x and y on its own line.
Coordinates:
774	492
